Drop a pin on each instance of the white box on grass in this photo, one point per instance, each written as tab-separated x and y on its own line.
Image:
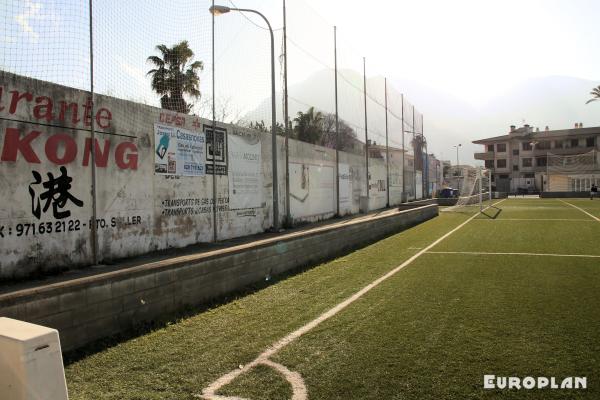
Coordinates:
31	366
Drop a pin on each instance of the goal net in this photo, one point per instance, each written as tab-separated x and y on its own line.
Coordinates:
573	173
475	191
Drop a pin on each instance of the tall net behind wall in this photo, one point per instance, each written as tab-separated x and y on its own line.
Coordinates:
573	173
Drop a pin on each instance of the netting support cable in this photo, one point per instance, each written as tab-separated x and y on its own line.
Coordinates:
286	118
337	125
366	130
94	230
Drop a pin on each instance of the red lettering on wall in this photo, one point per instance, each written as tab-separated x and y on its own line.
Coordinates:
1	106
52	148
129	160
87	113
14	144
16	97
100	156
43	108
64	106
103	118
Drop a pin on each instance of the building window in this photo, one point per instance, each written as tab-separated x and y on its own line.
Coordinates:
501	147
574	142
558	144
515	152
589	142
541	161
501	163
526	162
490	148
543	145
503	177
489	163
529	175
526	146
515	167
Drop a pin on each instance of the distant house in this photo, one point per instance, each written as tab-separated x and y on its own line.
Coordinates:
519	160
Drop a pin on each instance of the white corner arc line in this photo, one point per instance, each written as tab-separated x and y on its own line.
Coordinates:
580	209
209	393
484	253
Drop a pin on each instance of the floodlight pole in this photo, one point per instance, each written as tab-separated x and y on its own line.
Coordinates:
216	10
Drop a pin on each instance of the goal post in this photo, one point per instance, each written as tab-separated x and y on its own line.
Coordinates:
475	191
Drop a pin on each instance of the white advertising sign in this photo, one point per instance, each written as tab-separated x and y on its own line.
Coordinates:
245	175
178	151
311	189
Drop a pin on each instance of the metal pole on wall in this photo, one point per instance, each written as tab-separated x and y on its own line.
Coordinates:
387	147
414	152
403	199
214	133
286	119
94	222
337	126
218	10
366	131
425	175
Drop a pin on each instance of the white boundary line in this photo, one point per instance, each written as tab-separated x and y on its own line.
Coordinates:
535	219
477	253
210	392
581	209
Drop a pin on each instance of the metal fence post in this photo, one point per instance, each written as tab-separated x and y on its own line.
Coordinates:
337	126
93	145
366	130
387	146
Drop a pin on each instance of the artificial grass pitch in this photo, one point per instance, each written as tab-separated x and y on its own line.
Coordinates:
432	331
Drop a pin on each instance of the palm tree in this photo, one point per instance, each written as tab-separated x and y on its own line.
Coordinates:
309	126
595	95
175	75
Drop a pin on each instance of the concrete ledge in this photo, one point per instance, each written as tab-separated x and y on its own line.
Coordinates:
93	307
553	195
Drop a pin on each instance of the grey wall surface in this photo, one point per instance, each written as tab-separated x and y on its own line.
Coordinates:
48	181
94	307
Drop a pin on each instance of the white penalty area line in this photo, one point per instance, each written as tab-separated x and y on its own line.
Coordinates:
298	386
581	209
485	253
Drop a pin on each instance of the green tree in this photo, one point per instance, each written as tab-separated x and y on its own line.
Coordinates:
309	126
175	75
595	95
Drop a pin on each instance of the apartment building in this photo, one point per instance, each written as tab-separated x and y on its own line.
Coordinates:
519	159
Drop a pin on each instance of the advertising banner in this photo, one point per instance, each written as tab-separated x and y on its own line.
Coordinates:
311	190
245	174
345	187
178	151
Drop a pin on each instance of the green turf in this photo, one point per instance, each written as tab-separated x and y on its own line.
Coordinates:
178	361
429	332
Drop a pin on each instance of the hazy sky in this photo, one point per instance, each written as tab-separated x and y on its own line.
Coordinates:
473	49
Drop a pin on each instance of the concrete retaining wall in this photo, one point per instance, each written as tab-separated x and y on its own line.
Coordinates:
550	195
93	307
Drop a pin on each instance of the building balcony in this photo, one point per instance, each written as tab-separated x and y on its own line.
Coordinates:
488	155
563	151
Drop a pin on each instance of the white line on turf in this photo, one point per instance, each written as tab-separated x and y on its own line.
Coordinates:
485	253
581	209
210	392
535	219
